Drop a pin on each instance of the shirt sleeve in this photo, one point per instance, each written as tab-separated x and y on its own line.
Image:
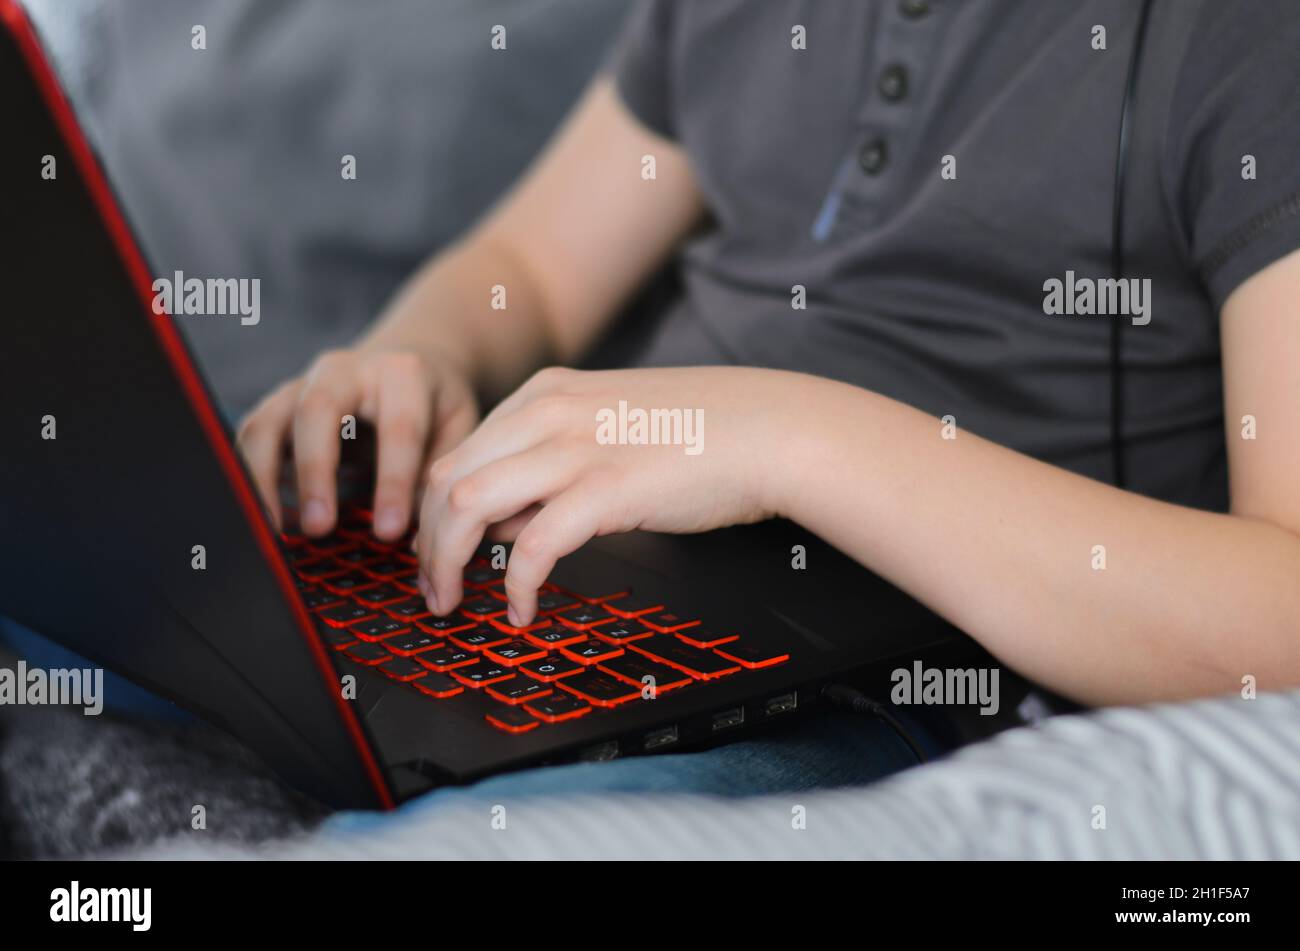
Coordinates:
1237	103
639	64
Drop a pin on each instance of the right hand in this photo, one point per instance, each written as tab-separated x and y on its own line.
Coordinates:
420	407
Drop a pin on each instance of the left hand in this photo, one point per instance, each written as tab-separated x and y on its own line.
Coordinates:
536	472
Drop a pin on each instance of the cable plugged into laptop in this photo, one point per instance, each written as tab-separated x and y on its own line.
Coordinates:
852	700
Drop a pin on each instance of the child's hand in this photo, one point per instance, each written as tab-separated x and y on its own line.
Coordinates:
420	407
542	469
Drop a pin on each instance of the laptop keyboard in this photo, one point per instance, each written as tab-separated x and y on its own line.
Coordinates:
587	652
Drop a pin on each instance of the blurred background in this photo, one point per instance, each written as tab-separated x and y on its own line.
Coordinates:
228	159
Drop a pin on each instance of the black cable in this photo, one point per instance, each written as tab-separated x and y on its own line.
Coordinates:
843	697
1117	252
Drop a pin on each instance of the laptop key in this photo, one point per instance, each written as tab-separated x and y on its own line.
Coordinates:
346	614
315	599
368	654
514	653
556	635
518	689
551	668
383	566
622	632
591	652
349	582
599	688
557	707
555	601
634	669
449	658
666	622
438	685
633	606
320	569
477	638
513	719
411	642
481	674
700	664
404	669
335	637
752	656
409	609
408	581
455	621
381	596
701	637
482	608
584	617
378	628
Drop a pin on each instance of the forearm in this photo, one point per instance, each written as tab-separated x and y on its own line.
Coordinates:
446	311
1003	546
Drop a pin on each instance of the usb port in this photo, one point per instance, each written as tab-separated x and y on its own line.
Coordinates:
785	703
657	738
728	718
600	752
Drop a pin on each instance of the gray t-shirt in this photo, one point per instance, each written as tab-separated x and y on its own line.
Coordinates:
824	167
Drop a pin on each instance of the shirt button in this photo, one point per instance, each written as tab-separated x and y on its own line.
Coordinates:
893	83
914	9
873	156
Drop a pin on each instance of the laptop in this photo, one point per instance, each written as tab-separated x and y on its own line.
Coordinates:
318	653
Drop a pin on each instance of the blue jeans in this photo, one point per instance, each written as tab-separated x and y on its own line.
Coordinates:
817	752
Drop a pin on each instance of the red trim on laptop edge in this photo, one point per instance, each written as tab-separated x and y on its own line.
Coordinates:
174	348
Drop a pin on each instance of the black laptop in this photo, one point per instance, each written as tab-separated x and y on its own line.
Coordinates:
318	653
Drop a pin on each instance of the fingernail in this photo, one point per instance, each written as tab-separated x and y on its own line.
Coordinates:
422	583
512	616
388	521
315	514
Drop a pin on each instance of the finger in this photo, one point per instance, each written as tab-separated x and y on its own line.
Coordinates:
509	530
402	427
261	440
329	392
563	526
457	516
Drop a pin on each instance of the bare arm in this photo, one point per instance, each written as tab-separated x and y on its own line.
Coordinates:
1188	603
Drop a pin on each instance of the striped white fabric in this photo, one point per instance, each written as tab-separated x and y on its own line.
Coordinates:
1214	779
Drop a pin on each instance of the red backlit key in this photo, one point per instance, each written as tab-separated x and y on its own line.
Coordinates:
502	624
514	653
591	652
447	659
513	719
752	655
346	614
634	669
481	674
518	690
700	664
483	608
584	617
633	606
438	685
349	583
320	569
555	601
403	669
378	628
408	581
381	596
700	637
599	688
411	642
622	632
482	577
315	599
557	706
368	654
477	638
455	621
551	667
555	636
667	621
335	637
410	609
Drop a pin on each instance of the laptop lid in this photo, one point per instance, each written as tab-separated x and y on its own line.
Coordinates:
116	468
